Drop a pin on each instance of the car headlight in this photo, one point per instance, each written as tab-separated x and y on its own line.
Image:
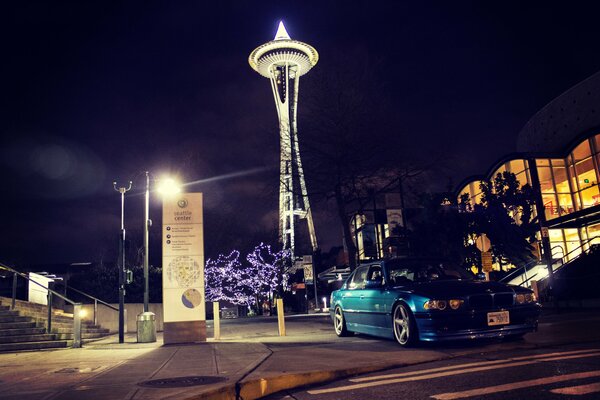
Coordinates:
455	303
523	298
435	305
443	304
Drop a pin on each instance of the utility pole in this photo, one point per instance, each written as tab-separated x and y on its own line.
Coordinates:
121	262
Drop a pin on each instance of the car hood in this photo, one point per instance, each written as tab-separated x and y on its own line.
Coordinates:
459	288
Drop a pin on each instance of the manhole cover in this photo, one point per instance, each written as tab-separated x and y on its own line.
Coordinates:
182	381
76	370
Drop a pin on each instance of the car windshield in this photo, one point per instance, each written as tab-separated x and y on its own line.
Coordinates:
405	271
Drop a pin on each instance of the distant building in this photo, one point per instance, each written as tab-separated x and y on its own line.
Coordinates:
559	154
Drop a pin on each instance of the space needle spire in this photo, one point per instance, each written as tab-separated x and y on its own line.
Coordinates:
284	60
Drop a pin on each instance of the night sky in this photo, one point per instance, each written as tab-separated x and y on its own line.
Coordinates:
98	91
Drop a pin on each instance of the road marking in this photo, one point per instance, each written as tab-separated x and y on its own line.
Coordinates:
516	385
475	364
449	373
579	390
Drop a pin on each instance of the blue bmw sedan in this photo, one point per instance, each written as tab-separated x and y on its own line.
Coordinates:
412	299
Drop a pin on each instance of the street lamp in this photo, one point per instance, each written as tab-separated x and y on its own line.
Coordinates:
122	190
166	186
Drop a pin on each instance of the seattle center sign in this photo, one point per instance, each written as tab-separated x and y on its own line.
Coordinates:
183	269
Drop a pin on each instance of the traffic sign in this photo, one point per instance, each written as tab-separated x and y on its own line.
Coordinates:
483	243
486	261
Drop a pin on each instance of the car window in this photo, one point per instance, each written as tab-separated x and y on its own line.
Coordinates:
359	278
374	273
425	271
401	276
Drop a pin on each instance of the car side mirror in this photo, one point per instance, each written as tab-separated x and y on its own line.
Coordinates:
374	283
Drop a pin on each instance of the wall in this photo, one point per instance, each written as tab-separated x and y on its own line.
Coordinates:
109	318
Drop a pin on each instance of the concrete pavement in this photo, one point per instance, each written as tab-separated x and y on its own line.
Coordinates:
250	361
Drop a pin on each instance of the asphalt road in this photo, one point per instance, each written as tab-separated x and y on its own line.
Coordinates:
564	364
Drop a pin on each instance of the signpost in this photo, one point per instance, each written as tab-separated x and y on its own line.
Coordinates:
183	270
486	263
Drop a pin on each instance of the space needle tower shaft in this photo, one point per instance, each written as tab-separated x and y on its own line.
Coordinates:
283	61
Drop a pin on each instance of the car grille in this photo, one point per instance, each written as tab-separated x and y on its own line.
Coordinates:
489	301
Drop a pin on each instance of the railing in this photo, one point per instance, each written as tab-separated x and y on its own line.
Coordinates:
76	306
521	270
96	301
563	260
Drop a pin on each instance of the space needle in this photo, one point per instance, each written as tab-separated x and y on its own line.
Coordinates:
284	60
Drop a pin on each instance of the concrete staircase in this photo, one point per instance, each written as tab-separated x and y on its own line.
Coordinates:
25	327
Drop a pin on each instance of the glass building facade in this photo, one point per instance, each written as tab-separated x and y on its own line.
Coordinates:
568	186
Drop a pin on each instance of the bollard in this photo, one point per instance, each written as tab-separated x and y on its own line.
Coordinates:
216	320
76	325
280	317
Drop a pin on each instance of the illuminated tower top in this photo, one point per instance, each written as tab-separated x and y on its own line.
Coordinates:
284	61
283	50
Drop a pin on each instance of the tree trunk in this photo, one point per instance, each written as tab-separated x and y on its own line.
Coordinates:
344	220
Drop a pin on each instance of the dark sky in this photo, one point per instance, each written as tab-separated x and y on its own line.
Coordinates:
98	91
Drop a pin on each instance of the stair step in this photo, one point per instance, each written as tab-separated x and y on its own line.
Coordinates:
21	331
18	325
24	328
53	344
28	338
84	335
13	318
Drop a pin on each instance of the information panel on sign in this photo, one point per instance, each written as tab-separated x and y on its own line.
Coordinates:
183	259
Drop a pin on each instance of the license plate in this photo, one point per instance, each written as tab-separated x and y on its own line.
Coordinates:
498	318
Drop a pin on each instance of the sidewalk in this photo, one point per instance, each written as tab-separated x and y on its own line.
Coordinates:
250	359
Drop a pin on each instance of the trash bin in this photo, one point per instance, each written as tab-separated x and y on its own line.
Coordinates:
146	327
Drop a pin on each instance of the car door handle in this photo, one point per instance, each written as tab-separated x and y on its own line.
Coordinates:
362	297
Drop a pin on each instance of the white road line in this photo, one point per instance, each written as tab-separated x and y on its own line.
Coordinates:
578	390
446	373
475	364
516	385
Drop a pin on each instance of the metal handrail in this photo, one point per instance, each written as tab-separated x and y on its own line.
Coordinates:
519	270
76	306
96	301
574	250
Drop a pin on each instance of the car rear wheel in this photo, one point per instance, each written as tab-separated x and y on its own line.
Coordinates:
405	329
339	323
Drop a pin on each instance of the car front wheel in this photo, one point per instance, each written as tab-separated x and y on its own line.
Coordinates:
405	329
339	323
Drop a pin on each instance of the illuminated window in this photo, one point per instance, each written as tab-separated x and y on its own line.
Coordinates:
582	151
572	243
501	169
545	175
561	185
516	166
584	177
590	197
550	205
593	233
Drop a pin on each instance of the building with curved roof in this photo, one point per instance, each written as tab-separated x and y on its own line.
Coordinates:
559	154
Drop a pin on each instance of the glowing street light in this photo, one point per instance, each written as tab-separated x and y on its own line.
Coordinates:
166	187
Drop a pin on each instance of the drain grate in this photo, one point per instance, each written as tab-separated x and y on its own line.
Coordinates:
182	381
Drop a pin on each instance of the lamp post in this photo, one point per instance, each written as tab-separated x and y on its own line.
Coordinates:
122	190
166	186
147	225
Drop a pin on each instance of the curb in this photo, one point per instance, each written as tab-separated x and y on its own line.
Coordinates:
260	387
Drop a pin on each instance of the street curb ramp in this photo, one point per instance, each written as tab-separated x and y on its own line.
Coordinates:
257	388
